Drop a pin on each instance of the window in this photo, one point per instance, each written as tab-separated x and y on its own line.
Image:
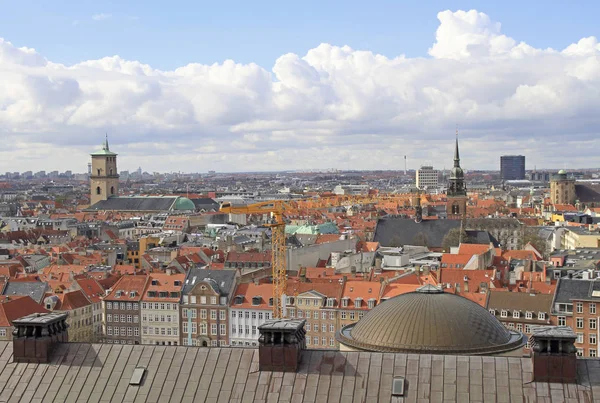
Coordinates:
300	314
504	313
129	331
516	314
592	308
184	328
579	322
122	306
233	330
323	315
593	324
493	311
213	329
579	352
316	341
331	342
123	331
331	328
579	307
129	306
520	327
592	352
541	316
292	313
233	313
511	325
162	306
108	305
324	341
352	315
528	315
562	321
527	329
331	315
223	330
315	315
203	300
202	313
253	315
135	319
122	318
223	314
253	330
324	328
308	341
343	316
109	318
260	315
109	330
579	338
129	318
592	338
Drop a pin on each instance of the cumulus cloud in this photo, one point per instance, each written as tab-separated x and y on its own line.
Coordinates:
332	107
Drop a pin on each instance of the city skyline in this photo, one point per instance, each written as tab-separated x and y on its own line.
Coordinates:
351	108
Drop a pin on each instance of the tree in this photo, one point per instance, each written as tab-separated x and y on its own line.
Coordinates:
530	235
420	240
454	237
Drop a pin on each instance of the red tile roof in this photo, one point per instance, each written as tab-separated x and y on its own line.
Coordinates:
73	300
15	307
127	284
472	249
249	290
164	282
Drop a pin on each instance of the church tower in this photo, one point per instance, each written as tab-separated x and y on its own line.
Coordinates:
104	180
456	199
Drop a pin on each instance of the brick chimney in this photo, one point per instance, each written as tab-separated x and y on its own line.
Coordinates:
35	336
280	345
554	354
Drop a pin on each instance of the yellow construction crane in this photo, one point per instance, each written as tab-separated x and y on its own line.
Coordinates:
278	259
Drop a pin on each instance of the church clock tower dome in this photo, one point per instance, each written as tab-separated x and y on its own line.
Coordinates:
456	198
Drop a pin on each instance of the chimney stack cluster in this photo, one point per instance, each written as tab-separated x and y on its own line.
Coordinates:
35	336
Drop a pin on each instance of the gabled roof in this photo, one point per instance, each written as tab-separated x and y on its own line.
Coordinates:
221	280
127	284
73	300
33	289
250	290
15	307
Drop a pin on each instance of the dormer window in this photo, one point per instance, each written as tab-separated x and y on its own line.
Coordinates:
239	299
371	303
516	314
541	316
270	301
345	302
177	283
256	300
358	302
132	294
504	313
330	302
289	300
528	315
154	282
493	312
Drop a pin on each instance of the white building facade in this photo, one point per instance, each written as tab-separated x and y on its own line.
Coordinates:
427	177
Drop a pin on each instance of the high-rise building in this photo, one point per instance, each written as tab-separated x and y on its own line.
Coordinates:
104	180
512	167
427	177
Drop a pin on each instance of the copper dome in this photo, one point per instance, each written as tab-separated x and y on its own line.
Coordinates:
430	321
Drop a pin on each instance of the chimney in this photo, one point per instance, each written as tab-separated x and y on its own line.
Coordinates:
280	345
554	354
35	336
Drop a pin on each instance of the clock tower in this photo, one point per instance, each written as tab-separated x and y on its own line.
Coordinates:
456	198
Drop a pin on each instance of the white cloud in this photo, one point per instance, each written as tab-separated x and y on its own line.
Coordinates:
101	17
333	107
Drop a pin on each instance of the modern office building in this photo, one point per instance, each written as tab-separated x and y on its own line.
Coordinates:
512	167
427	177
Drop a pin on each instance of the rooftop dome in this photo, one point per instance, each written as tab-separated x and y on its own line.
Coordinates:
562	172
183	203
430	321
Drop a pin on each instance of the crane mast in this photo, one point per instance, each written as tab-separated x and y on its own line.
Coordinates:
278	258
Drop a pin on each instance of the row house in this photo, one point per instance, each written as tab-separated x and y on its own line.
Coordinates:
122	310
251	306
318	304
80	314
520	310
204	307
160	308
358	297
94	293
577	304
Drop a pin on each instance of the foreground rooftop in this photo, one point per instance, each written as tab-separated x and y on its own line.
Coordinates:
102	372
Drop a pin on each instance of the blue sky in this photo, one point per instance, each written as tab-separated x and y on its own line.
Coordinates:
170	34
516	77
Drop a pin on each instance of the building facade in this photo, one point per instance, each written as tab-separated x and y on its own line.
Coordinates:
104	179
204	307
427	177
160	309
251	306
562	188
122	310
512	167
